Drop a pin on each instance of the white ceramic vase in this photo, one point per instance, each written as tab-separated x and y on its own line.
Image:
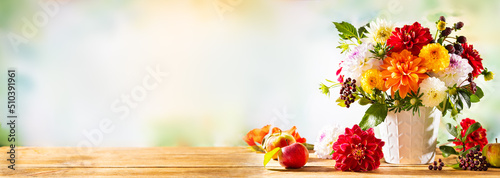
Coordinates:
410	139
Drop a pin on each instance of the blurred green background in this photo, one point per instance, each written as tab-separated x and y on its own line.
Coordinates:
233	65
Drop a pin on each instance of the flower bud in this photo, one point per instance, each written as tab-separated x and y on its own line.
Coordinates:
462	39
442	19
450	48
396	103
452	91
413	101
441	25
459	25
488	76
458	49
446	31
380	52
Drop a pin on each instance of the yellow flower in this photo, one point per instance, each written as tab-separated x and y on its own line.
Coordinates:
441	25
372	79
436	57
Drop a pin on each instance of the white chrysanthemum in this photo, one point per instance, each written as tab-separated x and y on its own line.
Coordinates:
359	60
379	31
434	91
324	142
456	72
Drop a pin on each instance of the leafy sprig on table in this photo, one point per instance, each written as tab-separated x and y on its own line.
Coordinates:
456	131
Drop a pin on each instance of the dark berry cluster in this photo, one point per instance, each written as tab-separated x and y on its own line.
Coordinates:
456	47
435	165
347	90
473	161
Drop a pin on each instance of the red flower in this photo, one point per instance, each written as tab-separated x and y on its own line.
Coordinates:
357	150
410	37
477	137
341	77
474	58
256	135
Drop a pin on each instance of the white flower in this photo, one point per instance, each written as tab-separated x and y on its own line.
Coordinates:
324	142
434	91
456	72
379	31
359	60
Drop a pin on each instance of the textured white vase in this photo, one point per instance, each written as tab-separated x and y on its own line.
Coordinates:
410	139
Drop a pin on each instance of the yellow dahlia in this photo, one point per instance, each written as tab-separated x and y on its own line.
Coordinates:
372	79
436	57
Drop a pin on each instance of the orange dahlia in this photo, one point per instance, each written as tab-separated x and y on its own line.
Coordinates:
404	72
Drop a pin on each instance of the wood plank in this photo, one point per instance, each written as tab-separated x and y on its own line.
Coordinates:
309	171
188	161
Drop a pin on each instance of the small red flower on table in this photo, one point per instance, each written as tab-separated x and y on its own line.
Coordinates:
357	150
477	137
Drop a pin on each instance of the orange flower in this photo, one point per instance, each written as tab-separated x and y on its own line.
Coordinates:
292	132
404	72
256	135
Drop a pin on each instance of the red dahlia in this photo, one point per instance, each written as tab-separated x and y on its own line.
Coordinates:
477	137
474	59
357	150
410	37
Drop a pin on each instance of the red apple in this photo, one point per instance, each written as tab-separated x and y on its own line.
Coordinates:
278	140
293	156
492	153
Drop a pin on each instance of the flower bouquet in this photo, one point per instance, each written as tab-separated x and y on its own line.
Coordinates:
410	78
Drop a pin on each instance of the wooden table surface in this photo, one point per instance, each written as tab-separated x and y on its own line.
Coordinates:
191	161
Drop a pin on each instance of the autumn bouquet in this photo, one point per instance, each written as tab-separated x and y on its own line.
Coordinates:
405	68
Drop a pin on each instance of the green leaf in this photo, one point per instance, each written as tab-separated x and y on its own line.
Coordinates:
374	115
465	97
257	148
346	30
340	102
344	46
467	151
451	129
471	129
308	146
269	155
474	98
451	140
479	92
447	150
361	31
455	166
363	101
333	151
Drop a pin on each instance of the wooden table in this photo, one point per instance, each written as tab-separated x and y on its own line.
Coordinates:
191	161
